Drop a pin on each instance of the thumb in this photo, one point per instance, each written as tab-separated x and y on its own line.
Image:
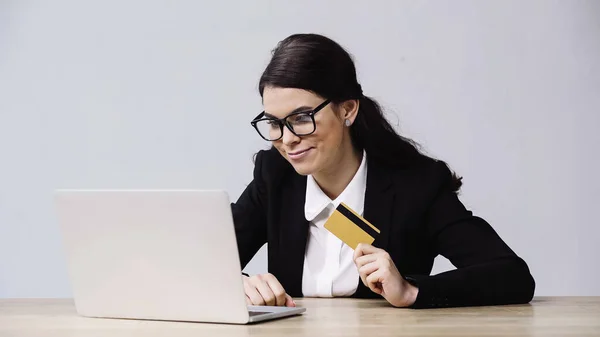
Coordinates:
289	302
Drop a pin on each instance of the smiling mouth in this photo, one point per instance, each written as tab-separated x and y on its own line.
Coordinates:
298	154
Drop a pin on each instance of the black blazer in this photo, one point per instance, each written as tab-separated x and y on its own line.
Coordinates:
419	216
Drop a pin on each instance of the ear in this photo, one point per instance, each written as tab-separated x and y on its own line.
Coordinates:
349	110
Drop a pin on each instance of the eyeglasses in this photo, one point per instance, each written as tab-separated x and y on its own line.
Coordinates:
300	123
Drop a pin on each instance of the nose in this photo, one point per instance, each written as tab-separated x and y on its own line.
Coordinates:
289	137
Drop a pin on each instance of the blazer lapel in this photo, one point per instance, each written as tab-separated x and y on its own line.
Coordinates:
379	199
293	235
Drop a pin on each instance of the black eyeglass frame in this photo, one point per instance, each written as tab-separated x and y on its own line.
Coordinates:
283	121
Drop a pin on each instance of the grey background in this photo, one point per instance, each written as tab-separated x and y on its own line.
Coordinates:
159	94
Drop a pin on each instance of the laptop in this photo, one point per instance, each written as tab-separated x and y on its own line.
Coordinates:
156	255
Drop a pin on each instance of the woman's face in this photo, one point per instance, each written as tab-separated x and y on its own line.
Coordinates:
319	150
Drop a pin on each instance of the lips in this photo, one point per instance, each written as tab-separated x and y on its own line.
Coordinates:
299	155
298	152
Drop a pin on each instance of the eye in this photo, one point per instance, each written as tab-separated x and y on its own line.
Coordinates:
301	118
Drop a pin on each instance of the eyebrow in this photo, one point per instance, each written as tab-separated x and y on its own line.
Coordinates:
298	109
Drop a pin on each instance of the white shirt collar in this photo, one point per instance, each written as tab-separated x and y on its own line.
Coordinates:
353	195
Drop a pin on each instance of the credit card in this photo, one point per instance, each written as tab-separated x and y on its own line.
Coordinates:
350	227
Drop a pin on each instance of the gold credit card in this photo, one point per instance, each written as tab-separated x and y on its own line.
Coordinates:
350	227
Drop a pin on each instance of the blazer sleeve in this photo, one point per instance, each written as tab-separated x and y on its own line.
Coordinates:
488	271
249	215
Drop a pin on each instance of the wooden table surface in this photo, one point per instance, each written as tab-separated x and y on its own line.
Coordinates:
545	316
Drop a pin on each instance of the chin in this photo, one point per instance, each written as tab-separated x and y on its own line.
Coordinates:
304	169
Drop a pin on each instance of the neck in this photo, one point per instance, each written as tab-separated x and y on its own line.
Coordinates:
334	179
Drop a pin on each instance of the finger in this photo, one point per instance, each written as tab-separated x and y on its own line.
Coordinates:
289	302
368	268
358	251
364	249
276	288
253	294
265	292
374	282
248	300
362	260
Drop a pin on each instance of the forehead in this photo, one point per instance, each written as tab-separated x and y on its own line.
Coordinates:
279	102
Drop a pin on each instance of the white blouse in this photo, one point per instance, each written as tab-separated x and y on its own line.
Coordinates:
329	268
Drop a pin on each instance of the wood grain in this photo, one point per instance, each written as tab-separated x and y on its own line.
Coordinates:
545	316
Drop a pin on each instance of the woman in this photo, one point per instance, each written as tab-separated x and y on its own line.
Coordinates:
331	144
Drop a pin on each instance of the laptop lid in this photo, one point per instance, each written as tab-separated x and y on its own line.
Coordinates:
152	254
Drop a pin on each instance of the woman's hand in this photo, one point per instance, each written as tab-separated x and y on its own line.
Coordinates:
266	290
379	273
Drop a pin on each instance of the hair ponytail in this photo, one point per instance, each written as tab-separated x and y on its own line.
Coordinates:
373	133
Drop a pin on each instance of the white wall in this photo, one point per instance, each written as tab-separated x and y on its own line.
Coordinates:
159	94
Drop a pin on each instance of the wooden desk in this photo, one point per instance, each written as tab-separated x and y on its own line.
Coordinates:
545	316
